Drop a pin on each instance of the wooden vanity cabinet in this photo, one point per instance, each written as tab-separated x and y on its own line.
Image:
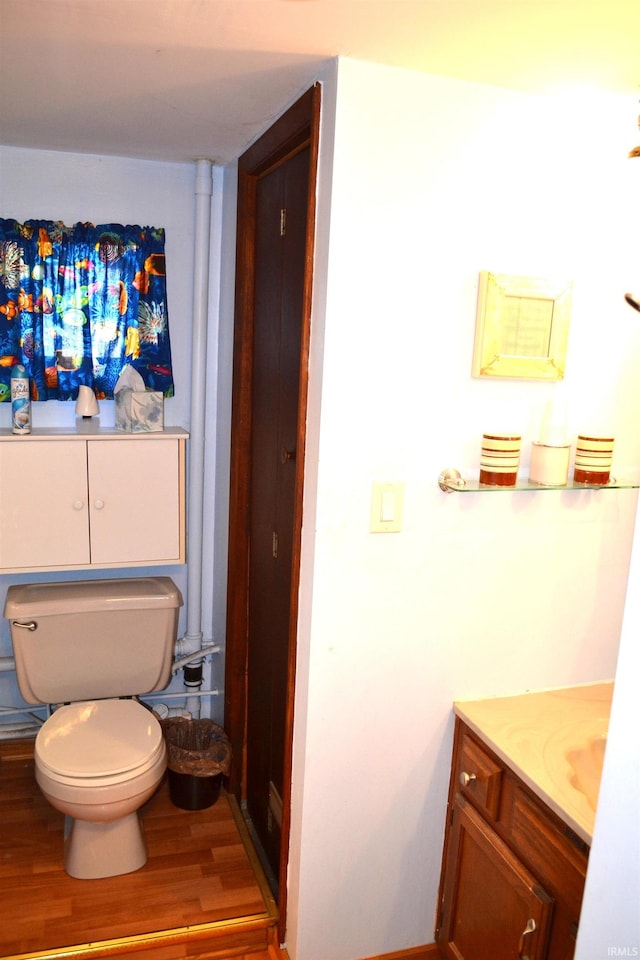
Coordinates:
106	499
512	873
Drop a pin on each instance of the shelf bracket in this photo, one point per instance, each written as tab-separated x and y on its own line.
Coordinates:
450	480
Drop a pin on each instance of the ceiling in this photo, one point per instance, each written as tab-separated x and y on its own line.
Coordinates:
174	80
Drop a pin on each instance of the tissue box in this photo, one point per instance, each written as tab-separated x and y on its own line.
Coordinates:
139	411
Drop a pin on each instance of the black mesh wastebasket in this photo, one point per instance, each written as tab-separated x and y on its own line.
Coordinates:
198	756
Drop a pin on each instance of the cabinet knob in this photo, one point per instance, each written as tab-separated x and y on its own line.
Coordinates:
78	504
98	504
467	778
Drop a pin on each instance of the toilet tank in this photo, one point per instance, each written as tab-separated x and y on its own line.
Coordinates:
93	639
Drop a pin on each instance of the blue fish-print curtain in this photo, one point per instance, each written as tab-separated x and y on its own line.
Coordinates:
78	303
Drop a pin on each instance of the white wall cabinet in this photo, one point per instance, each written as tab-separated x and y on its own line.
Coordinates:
100	499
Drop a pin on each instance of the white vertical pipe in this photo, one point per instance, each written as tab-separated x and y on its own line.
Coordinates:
202	242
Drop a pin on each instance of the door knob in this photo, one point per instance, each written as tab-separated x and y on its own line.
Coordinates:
99	504
287	455
466	778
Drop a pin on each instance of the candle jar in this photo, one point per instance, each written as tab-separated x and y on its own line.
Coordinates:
499	459
593	460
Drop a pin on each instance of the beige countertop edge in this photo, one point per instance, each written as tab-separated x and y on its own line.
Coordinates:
531	733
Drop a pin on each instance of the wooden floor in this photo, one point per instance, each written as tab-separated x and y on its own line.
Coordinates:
201	893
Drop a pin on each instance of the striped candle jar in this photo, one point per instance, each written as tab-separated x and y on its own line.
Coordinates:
499	459
593	460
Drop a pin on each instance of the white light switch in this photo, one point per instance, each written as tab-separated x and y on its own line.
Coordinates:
386	507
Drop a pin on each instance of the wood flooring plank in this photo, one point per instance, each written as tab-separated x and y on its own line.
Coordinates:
199	895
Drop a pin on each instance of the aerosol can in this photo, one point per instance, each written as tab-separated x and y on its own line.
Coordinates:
20	400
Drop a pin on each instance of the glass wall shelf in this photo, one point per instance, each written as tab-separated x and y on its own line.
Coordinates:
451	481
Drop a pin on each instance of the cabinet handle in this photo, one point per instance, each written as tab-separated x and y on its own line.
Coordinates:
78	504
467	778
530	927
99	504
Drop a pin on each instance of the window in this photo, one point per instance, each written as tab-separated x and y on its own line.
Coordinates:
78	303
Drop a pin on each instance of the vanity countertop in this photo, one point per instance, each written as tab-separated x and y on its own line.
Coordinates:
553	740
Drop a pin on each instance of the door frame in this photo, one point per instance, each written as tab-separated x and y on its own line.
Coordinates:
297	129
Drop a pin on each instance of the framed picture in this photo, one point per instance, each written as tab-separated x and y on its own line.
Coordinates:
522	327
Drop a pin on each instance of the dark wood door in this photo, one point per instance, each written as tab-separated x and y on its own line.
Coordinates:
494	907
281	211
274	274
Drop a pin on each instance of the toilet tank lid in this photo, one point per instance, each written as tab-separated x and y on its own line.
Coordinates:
89	596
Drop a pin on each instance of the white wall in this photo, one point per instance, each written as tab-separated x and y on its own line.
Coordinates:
423	183
610	919
72	187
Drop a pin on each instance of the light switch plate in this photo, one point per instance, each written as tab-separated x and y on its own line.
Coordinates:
387	501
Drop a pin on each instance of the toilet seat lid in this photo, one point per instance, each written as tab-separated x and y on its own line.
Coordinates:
97	739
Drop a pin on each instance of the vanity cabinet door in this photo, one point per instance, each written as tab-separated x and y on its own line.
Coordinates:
493	907
135	510
43	504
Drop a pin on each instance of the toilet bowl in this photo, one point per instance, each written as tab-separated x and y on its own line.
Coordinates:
94	646
98	762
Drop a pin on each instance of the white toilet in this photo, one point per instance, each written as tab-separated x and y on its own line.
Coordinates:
98	758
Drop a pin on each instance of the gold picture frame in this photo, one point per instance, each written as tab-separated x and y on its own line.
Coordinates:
522	327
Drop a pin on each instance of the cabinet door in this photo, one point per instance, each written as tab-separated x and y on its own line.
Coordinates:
494	909
43	504
134	501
